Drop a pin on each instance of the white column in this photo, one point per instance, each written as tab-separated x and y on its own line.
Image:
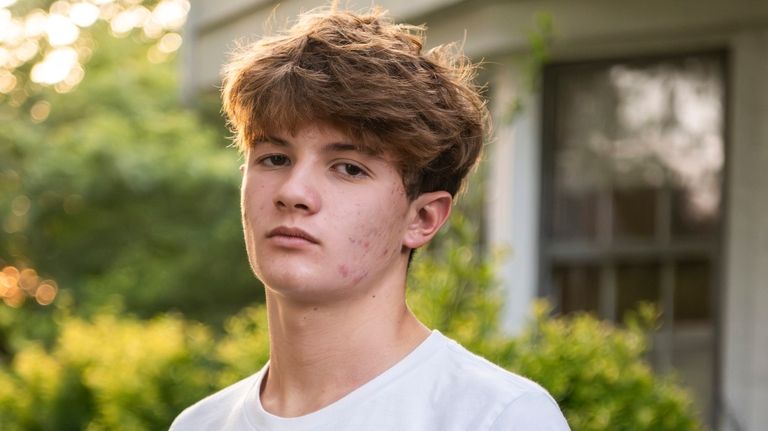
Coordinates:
513	183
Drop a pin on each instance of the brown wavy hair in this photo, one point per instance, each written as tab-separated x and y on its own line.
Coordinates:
369	77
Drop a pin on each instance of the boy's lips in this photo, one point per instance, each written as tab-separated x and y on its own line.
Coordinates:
291	232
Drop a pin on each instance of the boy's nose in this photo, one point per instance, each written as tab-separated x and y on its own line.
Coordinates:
298	192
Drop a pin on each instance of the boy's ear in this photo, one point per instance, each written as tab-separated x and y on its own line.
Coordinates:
427	215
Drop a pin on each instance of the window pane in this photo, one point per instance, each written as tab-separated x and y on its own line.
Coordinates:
575	216
669	126
636	283
689	220
692	293
582	167
693	359
578	287
634	213
626	128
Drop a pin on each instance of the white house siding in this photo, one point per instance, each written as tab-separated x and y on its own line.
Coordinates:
745	325
497	31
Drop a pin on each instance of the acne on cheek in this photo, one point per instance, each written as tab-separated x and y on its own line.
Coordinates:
344	270
360	278
366	244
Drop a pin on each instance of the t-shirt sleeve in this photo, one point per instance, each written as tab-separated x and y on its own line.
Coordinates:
534	411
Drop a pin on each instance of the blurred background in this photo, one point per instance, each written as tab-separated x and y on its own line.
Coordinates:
624	185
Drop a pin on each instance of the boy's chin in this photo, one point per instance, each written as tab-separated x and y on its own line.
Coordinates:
308	289
315	297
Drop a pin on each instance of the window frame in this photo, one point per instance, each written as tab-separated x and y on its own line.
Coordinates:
607	254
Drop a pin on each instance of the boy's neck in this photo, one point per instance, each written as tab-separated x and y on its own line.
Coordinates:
321	352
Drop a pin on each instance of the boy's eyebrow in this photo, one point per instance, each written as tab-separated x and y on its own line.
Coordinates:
341	147
273	140
333	147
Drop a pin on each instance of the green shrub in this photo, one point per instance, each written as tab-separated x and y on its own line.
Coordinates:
107	373
244	348
598	374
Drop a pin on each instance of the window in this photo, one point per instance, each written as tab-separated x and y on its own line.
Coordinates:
633	164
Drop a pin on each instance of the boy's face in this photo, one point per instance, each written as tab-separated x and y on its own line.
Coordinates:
321	219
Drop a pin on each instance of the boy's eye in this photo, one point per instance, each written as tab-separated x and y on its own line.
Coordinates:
275	160
350	170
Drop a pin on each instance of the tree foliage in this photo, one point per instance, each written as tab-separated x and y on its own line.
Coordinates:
121	193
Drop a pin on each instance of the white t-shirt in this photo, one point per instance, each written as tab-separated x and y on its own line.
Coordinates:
439	386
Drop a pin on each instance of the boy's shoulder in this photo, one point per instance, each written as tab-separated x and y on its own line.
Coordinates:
217	409
468	391
475	371
473	377
444	386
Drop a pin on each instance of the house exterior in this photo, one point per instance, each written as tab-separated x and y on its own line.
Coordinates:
633	170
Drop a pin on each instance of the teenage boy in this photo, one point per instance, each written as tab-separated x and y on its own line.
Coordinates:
356	143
